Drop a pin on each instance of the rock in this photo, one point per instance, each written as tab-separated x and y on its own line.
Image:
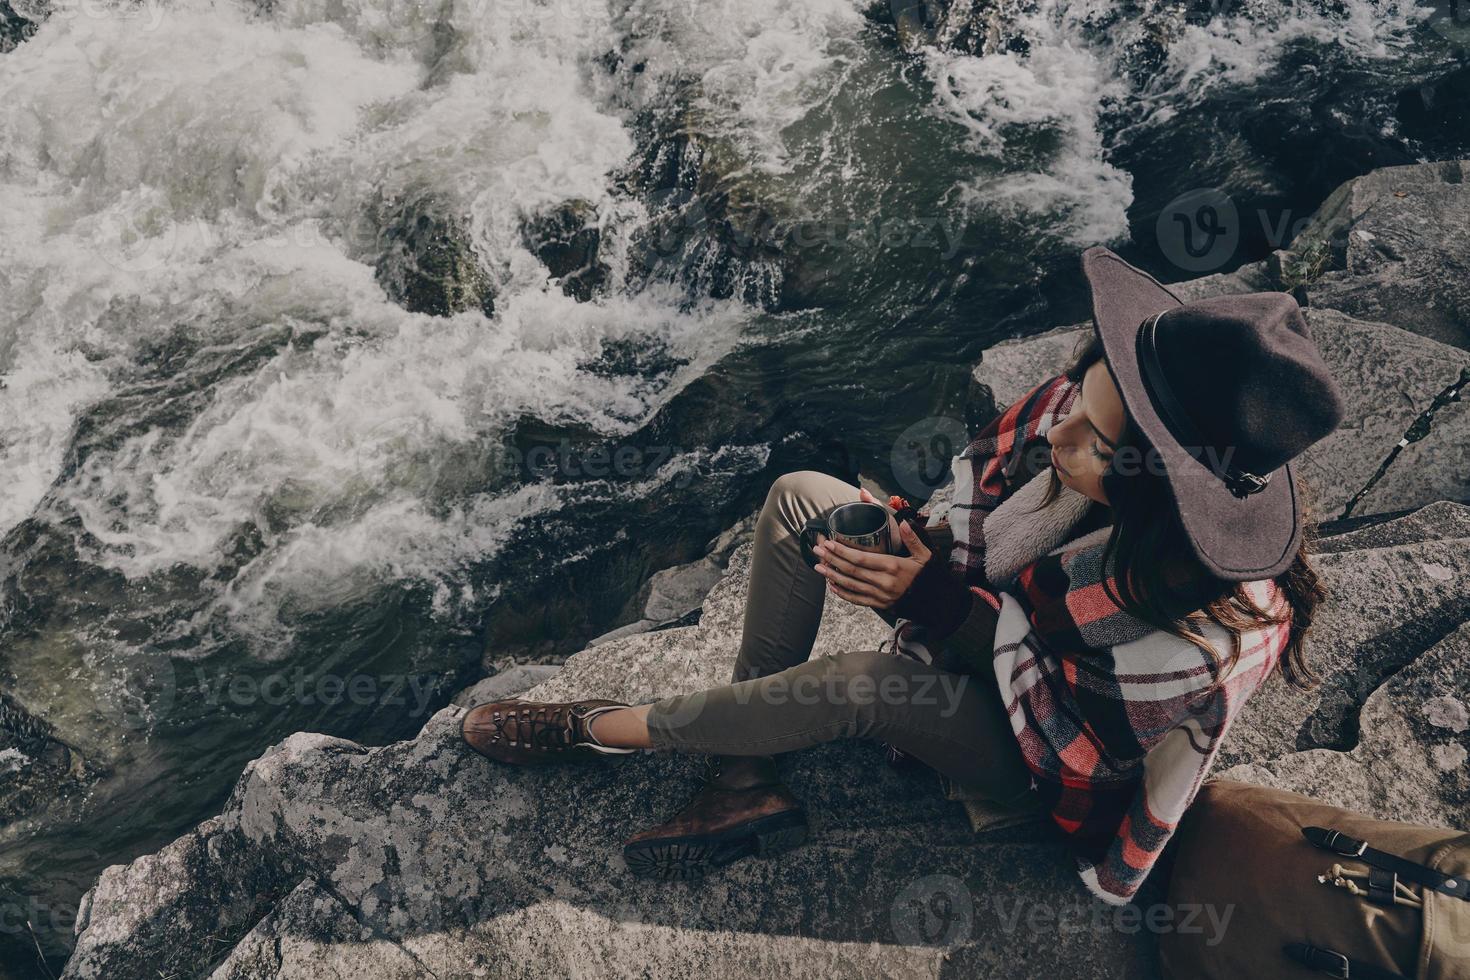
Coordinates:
1384	775
1393	246
1387	376
1447	712
566	240
14	28
331	859
715	225
427	264
508	683
674	594
1253	278
1382	616
37	768
1439	521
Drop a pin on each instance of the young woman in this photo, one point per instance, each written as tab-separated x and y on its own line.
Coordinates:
1125	562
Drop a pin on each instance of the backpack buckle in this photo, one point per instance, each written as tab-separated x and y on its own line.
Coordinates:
1335	840
1328	961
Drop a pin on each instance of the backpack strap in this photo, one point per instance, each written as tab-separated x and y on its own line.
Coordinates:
1334	964
1340	843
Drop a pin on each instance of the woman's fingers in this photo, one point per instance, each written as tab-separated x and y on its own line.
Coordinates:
911	540
865	559
858	586
882	582
853	597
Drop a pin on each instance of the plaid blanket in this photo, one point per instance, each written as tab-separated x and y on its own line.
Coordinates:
1112	716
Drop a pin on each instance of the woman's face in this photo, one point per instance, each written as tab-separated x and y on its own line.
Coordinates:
1083	443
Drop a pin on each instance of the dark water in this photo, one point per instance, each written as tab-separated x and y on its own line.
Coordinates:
868	272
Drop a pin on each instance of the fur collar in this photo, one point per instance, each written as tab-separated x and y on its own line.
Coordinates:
1016	533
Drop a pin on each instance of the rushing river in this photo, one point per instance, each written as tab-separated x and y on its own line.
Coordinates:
343	340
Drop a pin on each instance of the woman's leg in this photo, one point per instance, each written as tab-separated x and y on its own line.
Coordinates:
956	723
784	605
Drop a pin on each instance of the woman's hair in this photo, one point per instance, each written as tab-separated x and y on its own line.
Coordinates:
1161	581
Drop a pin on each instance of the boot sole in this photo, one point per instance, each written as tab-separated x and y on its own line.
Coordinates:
682	858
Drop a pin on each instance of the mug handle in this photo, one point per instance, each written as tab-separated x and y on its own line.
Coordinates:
813	527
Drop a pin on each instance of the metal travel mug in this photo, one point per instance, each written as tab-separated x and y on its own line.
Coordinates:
858	525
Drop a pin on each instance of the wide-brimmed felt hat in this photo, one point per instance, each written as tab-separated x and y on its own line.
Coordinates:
1228	390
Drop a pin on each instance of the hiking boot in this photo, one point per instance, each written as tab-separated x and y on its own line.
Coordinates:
529	733
719	825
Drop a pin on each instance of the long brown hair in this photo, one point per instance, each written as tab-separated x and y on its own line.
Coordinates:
1160	580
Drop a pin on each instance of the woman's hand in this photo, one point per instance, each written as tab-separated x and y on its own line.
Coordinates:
868	579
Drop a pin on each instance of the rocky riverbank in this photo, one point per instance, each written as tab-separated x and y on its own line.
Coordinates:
419	858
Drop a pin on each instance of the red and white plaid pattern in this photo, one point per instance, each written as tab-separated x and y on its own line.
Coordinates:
1111	714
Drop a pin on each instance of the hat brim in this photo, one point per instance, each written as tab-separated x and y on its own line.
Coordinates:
1238	539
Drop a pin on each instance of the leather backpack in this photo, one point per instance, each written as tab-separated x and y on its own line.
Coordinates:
1314	890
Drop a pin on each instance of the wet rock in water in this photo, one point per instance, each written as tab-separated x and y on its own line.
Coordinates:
15	27
37	768
710	227
980	27
334	859
1392	246
428	266
1388	376
566	240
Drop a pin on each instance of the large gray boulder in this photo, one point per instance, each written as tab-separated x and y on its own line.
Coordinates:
1393	246
423	859
1388	376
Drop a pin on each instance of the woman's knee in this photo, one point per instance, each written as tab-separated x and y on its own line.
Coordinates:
794	497
799	485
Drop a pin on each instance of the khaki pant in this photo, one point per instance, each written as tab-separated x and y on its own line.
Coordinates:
780	700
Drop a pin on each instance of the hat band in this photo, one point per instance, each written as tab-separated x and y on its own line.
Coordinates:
1239	482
